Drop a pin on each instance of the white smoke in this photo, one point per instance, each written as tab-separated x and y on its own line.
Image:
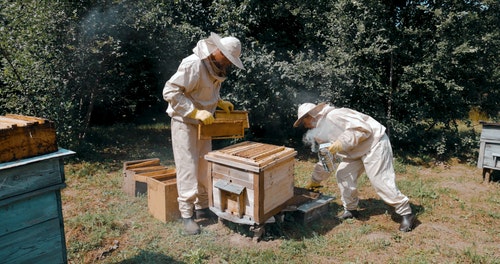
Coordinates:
309	139
324	132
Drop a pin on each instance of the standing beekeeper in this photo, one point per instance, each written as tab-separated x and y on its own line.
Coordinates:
363	145
193	95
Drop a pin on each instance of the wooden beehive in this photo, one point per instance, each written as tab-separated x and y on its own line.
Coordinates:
251	181
225	126
25	136
489	148
135	175
31	225
162	197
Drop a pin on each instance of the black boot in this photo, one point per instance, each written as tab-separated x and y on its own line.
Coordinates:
190	226
349	214
204	213
407	223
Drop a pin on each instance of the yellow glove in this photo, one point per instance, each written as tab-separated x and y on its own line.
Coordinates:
335	147
202	115
225	105
313	186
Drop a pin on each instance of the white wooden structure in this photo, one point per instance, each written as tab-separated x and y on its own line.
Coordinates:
489	149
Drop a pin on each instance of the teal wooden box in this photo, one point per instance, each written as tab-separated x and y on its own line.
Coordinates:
31	224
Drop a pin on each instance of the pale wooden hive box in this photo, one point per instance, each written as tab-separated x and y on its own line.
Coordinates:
148	176
25	136
136	173
225	126
251	182
162	197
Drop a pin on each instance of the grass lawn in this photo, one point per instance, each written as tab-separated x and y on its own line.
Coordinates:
458	216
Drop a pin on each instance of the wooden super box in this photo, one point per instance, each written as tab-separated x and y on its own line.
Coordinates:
147	176
251	182
25	136
225	126
136	172
162	197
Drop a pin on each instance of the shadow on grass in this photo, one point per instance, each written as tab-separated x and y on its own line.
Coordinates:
290	225
372	207
147	257
293	226
494	176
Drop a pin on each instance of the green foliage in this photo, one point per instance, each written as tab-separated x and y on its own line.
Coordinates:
416	66
32	60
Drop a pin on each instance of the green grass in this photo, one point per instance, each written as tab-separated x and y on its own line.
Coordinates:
459	217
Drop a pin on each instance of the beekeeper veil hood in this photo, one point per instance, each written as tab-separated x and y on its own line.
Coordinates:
229	46
307	109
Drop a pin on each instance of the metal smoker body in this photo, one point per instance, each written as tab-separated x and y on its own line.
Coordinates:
325	156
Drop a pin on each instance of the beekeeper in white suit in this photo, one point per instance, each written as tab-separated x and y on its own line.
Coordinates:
193	95
362	143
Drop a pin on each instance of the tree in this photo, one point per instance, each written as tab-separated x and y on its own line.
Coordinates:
281	41
403	63
32	77
74	62
416	66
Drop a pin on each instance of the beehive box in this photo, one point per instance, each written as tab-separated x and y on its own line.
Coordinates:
251	181
25	136
31	225
225	126
136	172
489	148
162	197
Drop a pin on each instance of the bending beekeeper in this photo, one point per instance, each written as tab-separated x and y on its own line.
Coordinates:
193	95
363	145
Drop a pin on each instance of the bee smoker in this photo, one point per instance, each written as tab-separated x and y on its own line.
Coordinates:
326	157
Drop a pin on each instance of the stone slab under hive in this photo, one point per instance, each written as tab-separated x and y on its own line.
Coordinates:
307	206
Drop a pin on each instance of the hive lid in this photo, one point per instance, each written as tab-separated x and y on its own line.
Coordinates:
251	154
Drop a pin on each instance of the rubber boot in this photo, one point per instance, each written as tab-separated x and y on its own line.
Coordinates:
204	213
407	223
190	226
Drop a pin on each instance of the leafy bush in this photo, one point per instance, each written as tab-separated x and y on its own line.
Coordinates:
414	66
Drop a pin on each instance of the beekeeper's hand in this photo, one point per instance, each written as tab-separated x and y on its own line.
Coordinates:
313	186
225	105
335	147
203	115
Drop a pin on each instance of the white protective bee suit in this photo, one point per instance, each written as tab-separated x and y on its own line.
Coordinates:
195	85
366	148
